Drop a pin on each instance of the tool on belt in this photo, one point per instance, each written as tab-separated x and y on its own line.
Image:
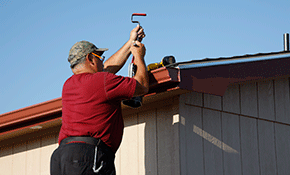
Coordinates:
134	102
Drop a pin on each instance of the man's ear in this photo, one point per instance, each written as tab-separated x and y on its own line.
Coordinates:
89	59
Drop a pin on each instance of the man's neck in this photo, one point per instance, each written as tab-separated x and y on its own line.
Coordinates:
81	70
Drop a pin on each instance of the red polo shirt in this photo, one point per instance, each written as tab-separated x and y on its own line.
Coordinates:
91	106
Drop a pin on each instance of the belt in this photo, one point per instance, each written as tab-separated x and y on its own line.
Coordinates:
98	144
86	139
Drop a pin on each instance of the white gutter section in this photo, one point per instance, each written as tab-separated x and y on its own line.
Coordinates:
219	62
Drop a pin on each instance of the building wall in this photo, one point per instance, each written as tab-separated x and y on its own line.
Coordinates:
244	132
151	140
247	131
29	154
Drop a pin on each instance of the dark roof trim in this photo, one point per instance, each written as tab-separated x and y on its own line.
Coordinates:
233	60
214	77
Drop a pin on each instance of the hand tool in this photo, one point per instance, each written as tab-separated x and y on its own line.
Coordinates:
135	102
137	14
164	62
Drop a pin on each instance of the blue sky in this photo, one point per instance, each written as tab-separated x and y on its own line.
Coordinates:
36	36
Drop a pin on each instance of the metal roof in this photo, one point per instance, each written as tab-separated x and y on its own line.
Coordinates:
207	62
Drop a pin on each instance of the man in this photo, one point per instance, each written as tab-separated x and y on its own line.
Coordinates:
92	123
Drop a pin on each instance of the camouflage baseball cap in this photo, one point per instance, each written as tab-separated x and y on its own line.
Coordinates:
81	49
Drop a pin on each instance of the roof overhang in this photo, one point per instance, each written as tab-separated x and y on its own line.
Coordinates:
163	84
30	119
214	76
209	76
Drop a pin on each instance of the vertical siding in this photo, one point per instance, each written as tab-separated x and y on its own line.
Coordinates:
248	94
282	148
150	142
6	160
191	143
245	132
129	150
168	141
282	102
212	101
48	145
138	151
266	100
28	155
231	144
19	159
231	99
213	160
267	152
34	156
249	146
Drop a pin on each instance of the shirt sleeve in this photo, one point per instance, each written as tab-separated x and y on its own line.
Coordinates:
119	87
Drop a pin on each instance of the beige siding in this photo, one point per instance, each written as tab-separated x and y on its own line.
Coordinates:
231	144
28	155
191	142
249	146
147	142
129	150
48	145
266	100
168	141
192	98
282	102
244	132
231	99
248	94
19	158
34	156
150	143
266	150
212	101
282	148
6	160
213	162
139	137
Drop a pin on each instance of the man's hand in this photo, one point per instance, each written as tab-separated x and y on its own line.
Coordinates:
138	50
118	59
137	31
141	76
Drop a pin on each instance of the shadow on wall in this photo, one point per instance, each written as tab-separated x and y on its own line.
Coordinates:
174	144
215	141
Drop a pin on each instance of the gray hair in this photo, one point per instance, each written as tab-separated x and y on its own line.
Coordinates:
77	62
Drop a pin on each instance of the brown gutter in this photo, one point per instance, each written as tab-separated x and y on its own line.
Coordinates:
31	113
30	116
162	79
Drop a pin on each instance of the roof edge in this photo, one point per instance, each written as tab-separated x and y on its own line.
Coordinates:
41	113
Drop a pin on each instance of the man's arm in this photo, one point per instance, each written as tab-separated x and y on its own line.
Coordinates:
141	75
117	60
